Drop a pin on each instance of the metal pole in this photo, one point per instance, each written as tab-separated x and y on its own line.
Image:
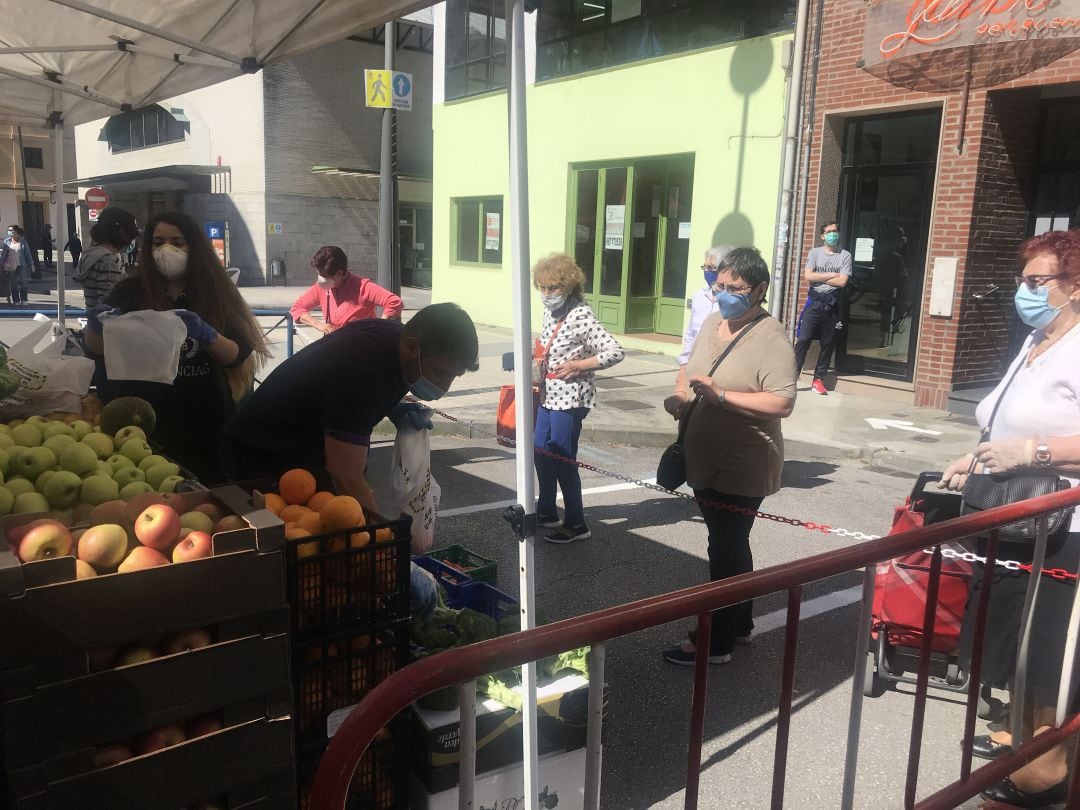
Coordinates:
59	215
466	744
862	647
387	223
1019	690
594	732
522	302
22	163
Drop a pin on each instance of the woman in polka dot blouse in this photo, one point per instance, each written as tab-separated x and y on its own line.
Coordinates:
572	346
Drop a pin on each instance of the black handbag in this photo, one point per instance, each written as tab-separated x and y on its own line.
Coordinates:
987	490
671	471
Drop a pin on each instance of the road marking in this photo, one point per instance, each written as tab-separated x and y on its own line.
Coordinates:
485	507
899	424
815	607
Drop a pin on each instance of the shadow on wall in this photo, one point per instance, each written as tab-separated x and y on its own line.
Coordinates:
246	250
751	65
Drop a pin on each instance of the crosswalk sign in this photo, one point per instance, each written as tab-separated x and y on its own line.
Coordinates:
377	88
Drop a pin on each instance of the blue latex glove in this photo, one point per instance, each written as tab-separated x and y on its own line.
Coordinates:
412	414
93	316
198	329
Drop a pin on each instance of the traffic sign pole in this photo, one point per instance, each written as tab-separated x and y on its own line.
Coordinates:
388	276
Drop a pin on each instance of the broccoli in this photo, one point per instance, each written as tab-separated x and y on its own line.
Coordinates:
510	623
473	626
9	382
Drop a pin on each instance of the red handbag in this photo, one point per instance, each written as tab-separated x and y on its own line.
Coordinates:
506	415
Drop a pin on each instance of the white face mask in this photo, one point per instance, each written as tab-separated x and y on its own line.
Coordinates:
553	302
324	282
171	261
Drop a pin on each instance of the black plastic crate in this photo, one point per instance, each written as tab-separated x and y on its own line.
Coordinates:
472	565
356	577
379	782
334	673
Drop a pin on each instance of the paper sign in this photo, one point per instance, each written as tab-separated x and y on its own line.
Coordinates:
639	230
419	245
684	230
491	231
1042	225
864	249
274	228
614	222
1061	223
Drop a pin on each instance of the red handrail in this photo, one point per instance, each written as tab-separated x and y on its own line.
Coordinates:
396	693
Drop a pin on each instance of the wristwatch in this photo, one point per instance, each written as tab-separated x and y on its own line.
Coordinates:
721	396
1041	456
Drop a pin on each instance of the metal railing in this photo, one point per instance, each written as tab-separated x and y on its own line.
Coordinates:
463	665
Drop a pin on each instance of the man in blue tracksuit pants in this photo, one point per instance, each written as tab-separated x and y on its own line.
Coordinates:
828	269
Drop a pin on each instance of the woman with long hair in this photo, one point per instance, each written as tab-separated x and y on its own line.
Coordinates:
179	271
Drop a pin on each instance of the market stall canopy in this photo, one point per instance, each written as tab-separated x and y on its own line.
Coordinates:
936	46
88	59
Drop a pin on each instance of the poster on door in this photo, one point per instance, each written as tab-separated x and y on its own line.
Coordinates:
491	231
614	222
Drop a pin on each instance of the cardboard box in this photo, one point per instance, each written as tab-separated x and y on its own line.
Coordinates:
562	786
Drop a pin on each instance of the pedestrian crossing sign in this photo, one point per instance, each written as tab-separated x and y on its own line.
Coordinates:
377	88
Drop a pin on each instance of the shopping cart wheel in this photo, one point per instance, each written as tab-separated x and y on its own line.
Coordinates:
870	679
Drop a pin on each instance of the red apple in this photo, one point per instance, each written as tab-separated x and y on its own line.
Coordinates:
104	546
138	504
158	527
201	726
44	539
188	640
230	523
158	738
135	655
194	546
212	510
84	570
142	557
176	500
112	754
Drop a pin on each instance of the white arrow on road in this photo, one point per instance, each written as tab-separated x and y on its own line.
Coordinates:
885	424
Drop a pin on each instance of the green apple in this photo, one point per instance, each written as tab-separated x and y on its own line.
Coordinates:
99	488
13	453
116	461
58	442
101	444
198	521
37	420
128	475
103	468
80	428
5	461
129	491
56	428
79	458
42	480
17	486
152	461
65	516
7	501
128	433
136	449
63	489
4	429
6	441
169	484
155	475
27	435
33	461
30	502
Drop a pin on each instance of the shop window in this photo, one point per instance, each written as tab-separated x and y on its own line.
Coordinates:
579	35
478	230
33	157
475	47
1057	169
150	126
892	140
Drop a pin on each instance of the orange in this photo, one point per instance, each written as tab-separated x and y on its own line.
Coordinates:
317	501
296	533
297	486
274	502
342	512
305	549
384	534
311	523
359	539
293	513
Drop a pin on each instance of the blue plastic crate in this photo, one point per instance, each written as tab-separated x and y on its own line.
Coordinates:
449	578
483	598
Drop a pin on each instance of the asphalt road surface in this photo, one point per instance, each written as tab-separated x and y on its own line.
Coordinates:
645	544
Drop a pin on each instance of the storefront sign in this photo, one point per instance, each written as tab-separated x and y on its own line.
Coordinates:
899	28
614	224
491	231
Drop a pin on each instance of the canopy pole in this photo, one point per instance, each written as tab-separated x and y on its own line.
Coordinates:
388	180
59	213
522	295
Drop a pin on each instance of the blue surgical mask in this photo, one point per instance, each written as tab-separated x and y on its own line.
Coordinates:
832	238
424	388
710	277
1033	306
732	305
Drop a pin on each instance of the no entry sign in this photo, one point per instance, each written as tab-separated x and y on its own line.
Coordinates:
96	198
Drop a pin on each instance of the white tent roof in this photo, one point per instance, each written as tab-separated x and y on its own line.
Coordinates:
88	59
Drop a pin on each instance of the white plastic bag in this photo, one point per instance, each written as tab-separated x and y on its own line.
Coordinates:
143	345
414	485
49	380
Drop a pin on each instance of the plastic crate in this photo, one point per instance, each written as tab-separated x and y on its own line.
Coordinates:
481	597
347	579
478	568
379	782
450	579
333	674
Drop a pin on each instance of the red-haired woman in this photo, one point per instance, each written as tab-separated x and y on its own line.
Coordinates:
342	296
178	270
1036	429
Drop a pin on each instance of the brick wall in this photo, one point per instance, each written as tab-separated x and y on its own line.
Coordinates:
980	199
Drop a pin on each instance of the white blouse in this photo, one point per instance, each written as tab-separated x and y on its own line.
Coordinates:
580	336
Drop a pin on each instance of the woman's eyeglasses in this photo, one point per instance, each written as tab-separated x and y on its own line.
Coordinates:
1033	282
731	288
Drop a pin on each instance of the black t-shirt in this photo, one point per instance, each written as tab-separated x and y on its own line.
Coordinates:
193	410
342	386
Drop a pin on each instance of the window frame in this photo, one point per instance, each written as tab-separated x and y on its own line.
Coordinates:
455	243
136	121
491	59
38	152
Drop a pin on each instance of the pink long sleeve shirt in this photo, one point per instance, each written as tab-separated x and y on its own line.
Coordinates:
354	300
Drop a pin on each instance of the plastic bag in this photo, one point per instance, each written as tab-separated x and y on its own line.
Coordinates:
415	486
49	380
143	345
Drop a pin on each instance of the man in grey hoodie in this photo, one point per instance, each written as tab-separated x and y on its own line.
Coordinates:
99	267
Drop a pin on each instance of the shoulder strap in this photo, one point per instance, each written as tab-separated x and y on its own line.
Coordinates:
984	435
746	330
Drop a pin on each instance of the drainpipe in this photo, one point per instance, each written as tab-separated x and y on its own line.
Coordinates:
787	166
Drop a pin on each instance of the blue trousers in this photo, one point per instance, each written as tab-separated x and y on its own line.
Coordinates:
558	432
